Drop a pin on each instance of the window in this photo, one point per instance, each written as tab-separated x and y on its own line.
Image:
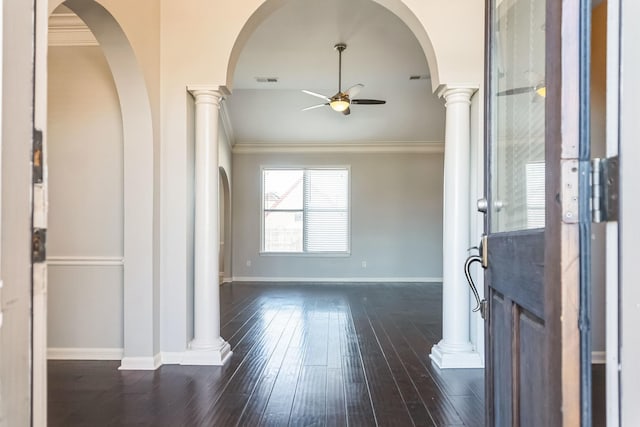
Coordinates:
305	210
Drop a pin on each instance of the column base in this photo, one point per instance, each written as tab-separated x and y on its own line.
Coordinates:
449	358
212	355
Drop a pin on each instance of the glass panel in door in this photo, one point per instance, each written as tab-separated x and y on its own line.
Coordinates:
518	125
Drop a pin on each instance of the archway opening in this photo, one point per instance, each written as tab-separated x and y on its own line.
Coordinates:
99	39
225	226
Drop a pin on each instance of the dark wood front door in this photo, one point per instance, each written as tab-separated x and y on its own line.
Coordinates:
533	178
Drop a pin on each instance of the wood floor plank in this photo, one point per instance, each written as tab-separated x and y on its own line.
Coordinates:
256	404
336	410
309	405
441	408
278	409
229	407
416	407
358	403
388	404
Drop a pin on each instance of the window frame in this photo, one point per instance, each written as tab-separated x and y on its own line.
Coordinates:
304	253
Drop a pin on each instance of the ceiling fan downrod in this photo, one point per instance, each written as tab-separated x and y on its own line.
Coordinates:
340	47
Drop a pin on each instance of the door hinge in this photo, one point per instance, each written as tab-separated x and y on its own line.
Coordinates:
37	156
39	245
605	177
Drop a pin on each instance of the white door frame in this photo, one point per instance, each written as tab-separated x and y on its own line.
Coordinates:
40	215
629	128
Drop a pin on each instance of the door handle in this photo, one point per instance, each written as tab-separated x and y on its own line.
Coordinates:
482	205
481	305
472	285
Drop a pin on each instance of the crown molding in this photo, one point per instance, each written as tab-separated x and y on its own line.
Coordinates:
255	147
67	29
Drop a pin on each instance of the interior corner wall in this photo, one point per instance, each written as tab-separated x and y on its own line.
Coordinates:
598	149
396	219
85	241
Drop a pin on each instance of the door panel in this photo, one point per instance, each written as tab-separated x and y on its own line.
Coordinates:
501	380
527	249
533	240
531	338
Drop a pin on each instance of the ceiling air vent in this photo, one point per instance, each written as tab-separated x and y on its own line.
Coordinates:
419	77
267	79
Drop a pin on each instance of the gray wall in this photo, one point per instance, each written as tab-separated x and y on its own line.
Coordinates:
86	202
396	218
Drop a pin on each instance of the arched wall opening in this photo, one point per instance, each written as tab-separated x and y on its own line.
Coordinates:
464	69
140	295
225	226
397	7
85	189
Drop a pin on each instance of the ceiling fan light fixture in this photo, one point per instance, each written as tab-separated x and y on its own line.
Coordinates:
339	105
339	102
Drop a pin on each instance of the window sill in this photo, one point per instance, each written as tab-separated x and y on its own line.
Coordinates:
308	254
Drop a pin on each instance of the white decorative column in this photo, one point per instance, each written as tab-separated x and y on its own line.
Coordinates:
207	347
455	349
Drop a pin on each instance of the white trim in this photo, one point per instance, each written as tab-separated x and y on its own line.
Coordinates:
67	29
140	363
598	357
326	280
612	239
456	360
61	353
226	125
85	261
256	147
171	357
207	357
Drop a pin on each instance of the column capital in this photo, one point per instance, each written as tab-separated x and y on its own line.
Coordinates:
207	94
454	94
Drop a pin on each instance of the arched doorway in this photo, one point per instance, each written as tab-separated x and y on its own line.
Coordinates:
450	78
136	259
225	226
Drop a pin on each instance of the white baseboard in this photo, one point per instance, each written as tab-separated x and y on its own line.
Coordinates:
57	353
171	357
598	357
320	280
141	363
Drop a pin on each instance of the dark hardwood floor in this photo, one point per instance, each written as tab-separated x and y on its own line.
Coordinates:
307	355
323	355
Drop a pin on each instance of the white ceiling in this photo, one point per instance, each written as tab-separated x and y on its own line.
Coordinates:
295	44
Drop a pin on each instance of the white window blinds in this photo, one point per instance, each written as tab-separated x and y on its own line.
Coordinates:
306	210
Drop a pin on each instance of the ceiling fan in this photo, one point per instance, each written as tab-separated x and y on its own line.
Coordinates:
341	101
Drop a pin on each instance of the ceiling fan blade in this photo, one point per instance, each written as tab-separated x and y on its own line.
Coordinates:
368	101
517	91
314	106
317	95
354	90
347	111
